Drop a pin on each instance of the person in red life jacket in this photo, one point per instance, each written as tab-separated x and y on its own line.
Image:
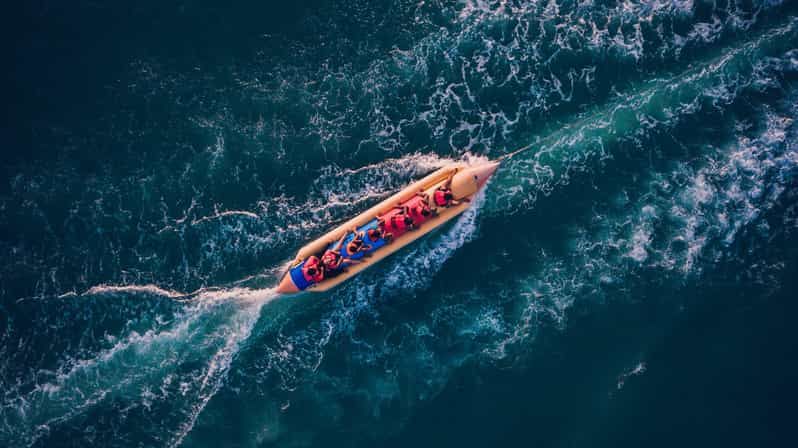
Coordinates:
332	259
399	223
402	223
443	197
377	234
381	231
313	270
418	209
395	222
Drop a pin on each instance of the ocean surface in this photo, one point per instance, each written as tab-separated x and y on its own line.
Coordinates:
631	280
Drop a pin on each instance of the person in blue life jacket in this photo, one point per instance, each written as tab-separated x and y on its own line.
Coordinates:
377	236
333	261
356	247
313	270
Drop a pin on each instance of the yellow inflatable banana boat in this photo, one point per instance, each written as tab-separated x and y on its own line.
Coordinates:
459	180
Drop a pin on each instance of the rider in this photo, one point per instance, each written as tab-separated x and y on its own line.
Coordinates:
333	261
357	244
401	223
377	234
418	208
394	223
443	197
382	230
313	270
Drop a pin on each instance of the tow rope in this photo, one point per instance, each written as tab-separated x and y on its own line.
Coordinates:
516	152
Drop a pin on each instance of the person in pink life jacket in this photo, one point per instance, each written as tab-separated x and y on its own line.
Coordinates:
313	270
418	209
332	259
443	197
395	223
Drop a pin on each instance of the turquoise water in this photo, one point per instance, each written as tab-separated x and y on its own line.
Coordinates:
629	280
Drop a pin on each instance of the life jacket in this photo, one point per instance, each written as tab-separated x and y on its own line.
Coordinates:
373	235
387	220
398	224
416	207
440	197
313	262
330	260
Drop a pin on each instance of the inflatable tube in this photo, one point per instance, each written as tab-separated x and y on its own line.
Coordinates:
464	181
298	277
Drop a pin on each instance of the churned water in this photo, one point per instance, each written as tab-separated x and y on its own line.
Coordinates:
629	280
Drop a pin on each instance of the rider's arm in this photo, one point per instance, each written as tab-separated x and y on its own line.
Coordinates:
340	242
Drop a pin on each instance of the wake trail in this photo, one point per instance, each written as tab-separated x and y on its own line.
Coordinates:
189	357
550	161
182	349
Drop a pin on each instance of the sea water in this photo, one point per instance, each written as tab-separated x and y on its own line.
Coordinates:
629	280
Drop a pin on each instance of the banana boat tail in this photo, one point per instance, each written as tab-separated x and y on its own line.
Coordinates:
463	181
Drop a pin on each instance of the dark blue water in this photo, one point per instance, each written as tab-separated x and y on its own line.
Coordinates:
630	280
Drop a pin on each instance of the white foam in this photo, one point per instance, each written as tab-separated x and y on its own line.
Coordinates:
225	214
133	289
683	223
637	370
219	364
136	364
583	144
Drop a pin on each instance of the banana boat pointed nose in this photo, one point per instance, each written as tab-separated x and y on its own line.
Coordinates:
470	179
484	172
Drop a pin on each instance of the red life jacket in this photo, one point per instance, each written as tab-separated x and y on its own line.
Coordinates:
398	224
440	198
330	260
387	220
416	206
312	262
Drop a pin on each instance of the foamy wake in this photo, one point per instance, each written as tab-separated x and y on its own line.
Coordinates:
732	190
240	236
232	335
684	223
144	368
132	289
589	142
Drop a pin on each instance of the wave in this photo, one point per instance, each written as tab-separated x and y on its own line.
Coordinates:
187	357
387	362
140	354
671	221
683	221
477	75
589	142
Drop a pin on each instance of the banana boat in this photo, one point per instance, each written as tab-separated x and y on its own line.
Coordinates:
461	181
